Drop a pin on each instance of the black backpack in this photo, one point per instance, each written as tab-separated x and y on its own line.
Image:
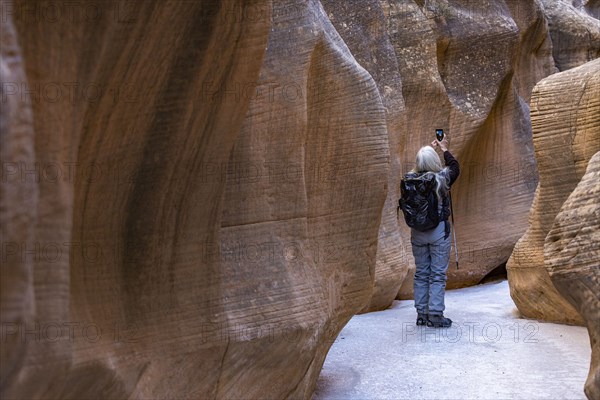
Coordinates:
419	202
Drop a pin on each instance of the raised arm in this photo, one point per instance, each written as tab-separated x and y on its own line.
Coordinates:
451	162
453	167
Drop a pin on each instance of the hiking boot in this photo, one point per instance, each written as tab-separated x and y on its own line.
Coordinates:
421	319
438	321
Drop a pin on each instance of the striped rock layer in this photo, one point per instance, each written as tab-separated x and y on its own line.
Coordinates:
566	134
572	258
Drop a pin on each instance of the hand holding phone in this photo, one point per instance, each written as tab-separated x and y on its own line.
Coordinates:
441	140
439	134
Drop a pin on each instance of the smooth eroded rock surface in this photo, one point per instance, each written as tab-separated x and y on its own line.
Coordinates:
572	258
124	126
223	170
566	134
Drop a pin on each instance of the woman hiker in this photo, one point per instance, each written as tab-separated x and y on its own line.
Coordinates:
431	248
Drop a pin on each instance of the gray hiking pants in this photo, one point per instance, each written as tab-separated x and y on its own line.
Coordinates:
432	253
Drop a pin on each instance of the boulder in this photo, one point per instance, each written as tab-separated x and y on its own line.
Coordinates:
572	259
566	133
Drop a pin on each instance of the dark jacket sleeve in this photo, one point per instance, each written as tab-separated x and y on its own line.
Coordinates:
453	167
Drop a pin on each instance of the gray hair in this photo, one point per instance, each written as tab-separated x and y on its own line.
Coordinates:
428	162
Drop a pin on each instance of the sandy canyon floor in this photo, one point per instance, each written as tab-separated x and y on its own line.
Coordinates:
488	353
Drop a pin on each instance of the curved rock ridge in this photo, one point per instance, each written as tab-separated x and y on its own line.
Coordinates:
362	26
310	214
566	133
572	258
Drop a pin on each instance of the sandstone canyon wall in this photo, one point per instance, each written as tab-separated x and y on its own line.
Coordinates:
197	196
105	135
572	258
566	134
204	250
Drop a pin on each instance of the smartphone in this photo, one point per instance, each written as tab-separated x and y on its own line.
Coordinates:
439	134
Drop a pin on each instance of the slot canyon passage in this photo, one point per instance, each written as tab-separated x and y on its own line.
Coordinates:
198	196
